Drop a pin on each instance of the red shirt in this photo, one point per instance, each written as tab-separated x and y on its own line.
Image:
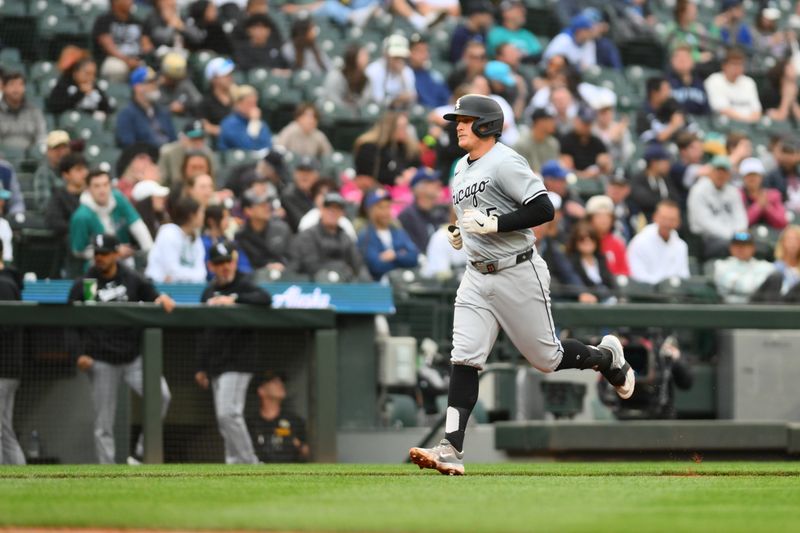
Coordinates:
614	251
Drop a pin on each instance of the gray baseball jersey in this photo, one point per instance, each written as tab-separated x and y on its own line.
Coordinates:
500	182
516	299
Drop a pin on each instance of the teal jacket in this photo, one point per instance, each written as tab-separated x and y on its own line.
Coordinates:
86	221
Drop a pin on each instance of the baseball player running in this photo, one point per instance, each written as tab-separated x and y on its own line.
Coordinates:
497	199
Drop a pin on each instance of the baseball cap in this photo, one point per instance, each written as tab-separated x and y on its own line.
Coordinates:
5	194
57	138
553	169
599	204
105	244
194	129
375	196
221	252
478	6
618	177
580	22
539	113
307	163
742	237
656	152
269	375
508	4
751	165
396	46
219	66
252	198
586	114
424	174
334	198
142	75
771	13
721	161
729	4
173	66
499	71
147	188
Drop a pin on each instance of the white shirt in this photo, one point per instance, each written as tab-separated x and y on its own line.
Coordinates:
740	96
311	219
5	236
580	56
715	212
387	86
652	260
442	258
176	258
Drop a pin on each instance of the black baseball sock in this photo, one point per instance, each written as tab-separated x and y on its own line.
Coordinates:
461	399
583	357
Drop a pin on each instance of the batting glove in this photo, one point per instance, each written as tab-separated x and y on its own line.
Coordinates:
454	236
474	221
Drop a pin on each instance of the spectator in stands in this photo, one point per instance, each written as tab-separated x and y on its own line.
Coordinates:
583	151
143	120
218	102
619	190
15	203
11	353
583	252
575	43
243	129
48	174
686	85
387	152
228	357
104	210
77	90
614	133
479	18
66	198
555	180
429	84
541	144
423	217
136	163
5	228
217	226
739	275
384	246
442	259
110	355
715	208
763	205
783	285
178	254
303	52
297	198
657	252
686	29
608	55
326	246
779	95
270	169
600	214
512	30
471	64
178	93
119	41
731	93
259	51
660	117
279	435
319	191
204	16
22	125
689	166
167	30
768	38
349	87
390	78
504	84
480	85
302	136
511	55
150	200
265	240
172	159
653	185
200	188
260	8
785	177
733	30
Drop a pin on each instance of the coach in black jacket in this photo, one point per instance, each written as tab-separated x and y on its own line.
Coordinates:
228	356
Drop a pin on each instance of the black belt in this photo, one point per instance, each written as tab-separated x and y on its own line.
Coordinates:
490	267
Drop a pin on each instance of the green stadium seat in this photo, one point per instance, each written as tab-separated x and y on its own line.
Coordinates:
401	410
586	188
42	70
98	154
83	125
13	8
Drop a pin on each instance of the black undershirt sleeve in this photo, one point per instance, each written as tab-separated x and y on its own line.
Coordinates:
534	213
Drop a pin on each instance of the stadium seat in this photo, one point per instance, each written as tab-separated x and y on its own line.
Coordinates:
13	8
401	410
84	126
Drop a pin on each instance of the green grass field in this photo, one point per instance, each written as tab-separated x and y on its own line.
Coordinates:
548	497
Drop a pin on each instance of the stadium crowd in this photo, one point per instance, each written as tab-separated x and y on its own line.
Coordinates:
310	135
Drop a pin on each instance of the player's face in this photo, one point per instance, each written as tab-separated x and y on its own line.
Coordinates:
467	139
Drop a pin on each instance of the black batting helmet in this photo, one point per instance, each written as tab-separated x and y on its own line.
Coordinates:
487	113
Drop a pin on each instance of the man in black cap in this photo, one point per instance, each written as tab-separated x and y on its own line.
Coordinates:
227	357
541	145
10	367
172	155
327	246
297	198
110	355
279	435
653	185
264	239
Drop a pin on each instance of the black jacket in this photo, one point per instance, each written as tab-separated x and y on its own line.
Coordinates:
59	211
231	349
421	225
11	336
111	344
268	246
296	203
315	249
602	290
66	96
646	197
